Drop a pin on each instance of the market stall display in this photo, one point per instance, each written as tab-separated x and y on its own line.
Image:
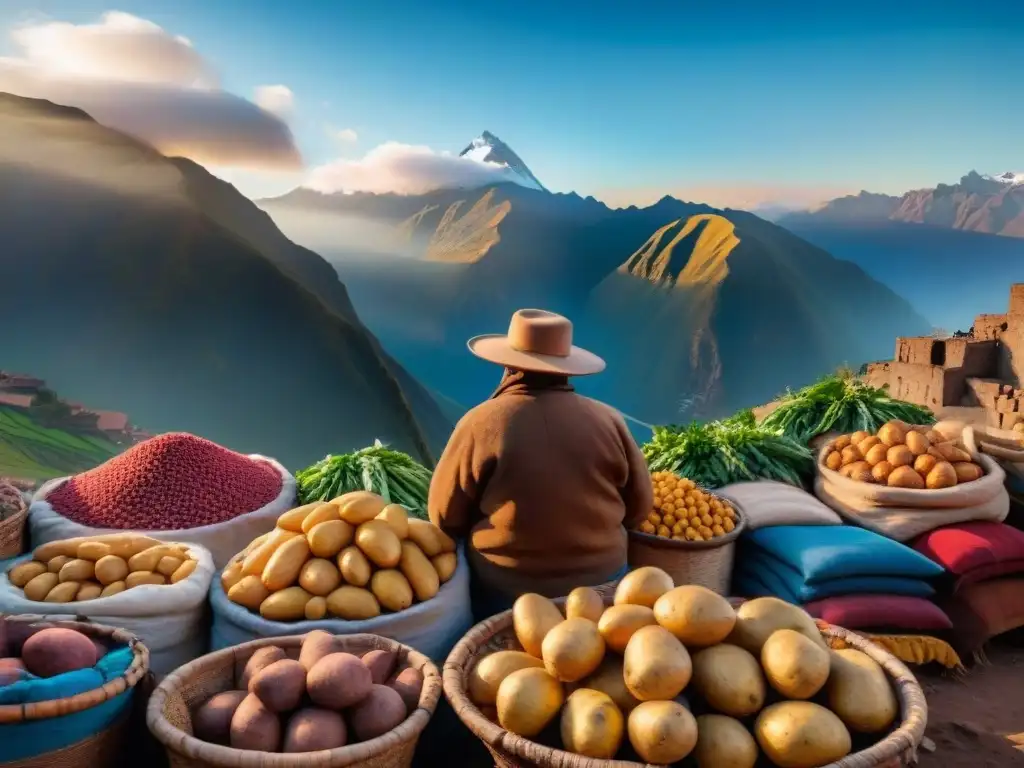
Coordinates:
759	664
174	486
690	533
805	563
733	450
12	520
355	700
393	475
909	479
155	590
354	564
840	403
66	689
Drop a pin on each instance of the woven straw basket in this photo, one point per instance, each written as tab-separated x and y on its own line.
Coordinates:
12	533
103	748
511	751
169	713
707	563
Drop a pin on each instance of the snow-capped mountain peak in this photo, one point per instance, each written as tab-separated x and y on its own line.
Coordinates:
489	148
1009	177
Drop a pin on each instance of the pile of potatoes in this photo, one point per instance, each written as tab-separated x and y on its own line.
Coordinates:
85	568
350	558
324	699
903	456
609	682
684	512
30	651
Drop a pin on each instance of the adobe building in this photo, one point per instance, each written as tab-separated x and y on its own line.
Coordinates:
979	374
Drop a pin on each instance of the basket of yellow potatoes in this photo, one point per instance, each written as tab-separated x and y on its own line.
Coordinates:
690	533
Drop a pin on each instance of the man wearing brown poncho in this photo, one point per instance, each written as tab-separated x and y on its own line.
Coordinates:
541	482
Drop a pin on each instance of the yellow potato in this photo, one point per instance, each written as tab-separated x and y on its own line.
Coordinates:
488	673
168	564
321	514
415	566
618	623
533	616
360	507
113	588
109	569
231	575
445	564
89	590
186	569
285	564
286	605
92	550
391	589
354	566
148	559
316	608
379	543
292	519
20	575
39	587
319	577
67	548
56	563
64	592
77	570
328	538
585	603
396	517
256	560
249	592
142	578
429	538
352	603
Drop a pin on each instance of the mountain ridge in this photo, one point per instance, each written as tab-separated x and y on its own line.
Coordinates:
976	203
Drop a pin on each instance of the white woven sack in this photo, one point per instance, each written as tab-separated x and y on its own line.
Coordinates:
168	618
223	540
432	628
767	503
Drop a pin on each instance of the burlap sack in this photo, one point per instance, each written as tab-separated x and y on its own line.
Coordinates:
904	514
1004	446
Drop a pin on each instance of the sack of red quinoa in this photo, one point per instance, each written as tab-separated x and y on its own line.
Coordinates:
172	487
169	618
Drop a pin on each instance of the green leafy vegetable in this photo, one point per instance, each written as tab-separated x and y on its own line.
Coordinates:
392	474
840	403
733	450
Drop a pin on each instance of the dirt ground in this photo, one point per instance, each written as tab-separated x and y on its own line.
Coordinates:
977	719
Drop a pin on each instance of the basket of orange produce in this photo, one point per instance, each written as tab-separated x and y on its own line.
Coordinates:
690	534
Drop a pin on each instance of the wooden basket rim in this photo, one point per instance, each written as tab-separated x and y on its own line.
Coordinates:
68	705
902	742
660	542
178	741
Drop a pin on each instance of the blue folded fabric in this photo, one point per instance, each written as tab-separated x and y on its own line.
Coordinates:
20	741
824	552
759	573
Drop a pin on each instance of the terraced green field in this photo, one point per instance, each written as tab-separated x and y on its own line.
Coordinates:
31	451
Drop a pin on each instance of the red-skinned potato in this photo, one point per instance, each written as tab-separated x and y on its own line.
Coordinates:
212	719
315	646
313	729
280	686
261	657
381	665
254	727
378	713
55	650
409	685
338	680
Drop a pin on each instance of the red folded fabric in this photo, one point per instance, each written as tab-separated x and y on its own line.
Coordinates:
982	611
975	551
880	612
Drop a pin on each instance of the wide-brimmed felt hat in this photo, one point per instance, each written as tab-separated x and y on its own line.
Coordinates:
538	341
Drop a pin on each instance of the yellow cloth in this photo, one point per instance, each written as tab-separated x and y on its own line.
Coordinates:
910	649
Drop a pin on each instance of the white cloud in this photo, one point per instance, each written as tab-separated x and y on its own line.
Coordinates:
406	170
344	135
133	75
275	99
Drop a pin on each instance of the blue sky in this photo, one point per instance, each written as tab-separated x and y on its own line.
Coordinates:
631	100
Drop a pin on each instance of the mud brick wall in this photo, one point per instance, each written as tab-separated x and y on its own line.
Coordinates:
929	385
1012	339
989	327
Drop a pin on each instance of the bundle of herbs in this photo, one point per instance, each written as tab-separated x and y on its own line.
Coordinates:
396	476
733	450
840	403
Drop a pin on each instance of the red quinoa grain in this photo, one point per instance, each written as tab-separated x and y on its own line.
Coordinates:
167	483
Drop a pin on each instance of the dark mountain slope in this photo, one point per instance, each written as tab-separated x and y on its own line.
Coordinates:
769	311
123	292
